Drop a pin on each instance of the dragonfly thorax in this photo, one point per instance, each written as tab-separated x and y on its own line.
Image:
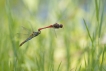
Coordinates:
36	33
57	26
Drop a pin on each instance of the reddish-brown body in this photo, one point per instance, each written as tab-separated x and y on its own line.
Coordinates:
56	26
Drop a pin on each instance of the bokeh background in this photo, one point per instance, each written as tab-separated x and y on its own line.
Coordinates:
78	46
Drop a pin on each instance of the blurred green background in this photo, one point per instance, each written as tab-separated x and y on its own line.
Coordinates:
79	46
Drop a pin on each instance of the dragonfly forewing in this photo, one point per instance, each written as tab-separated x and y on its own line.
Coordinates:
23	33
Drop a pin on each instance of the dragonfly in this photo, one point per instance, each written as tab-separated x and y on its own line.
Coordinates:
34	34
55	26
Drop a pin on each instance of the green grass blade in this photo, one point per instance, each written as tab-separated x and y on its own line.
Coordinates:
11	24
79	68
37	63
101	20
88	31
97	10
101	66
59	66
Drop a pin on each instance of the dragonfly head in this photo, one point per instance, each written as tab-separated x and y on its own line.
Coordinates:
61	26
39	32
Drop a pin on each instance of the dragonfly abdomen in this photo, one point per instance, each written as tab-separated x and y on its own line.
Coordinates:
25	41
34	34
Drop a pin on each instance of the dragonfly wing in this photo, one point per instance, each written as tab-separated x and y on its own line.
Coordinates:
31	27
21	36
23	33
55	32
25	30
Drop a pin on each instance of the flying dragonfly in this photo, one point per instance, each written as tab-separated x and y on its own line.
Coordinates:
34	34
55	26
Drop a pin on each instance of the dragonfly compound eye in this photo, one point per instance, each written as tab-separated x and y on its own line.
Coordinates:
61	26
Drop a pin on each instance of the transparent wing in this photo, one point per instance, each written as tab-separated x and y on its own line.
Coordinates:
55	32
25	30
23	33
31	27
